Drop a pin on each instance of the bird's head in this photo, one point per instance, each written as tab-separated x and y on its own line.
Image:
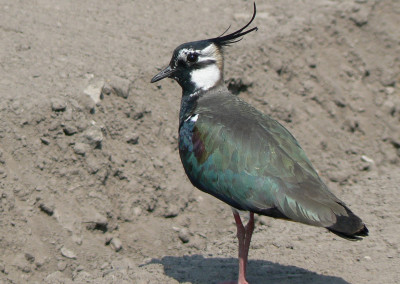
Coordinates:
198	65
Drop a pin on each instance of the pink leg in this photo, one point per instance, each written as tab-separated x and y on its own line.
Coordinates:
248	234
244	237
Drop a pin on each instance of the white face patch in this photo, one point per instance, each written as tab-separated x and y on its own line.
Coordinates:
205	78
208	69
208	54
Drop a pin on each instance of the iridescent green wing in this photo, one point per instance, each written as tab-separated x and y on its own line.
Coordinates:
252	162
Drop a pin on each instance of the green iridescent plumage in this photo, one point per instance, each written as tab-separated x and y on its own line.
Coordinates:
251	162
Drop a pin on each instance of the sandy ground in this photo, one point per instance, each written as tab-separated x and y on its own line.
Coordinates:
95	193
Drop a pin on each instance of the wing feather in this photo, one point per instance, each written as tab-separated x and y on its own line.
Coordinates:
252	162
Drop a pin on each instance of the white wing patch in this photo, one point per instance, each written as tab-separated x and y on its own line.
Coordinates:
207	77
193	118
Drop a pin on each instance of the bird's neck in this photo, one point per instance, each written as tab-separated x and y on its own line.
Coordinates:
200	82
190	100
188	103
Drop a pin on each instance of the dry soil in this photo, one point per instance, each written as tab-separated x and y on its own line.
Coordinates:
91	186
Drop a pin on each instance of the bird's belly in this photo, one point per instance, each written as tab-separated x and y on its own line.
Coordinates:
222	171
239	189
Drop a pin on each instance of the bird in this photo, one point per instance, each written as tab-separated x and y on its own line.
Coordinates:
243	157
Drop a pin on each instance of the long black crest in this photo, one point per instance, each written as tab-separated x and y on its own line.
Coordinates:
233	37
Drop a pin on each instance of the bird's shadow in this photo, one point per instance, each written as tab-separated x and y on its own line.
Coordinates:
197	269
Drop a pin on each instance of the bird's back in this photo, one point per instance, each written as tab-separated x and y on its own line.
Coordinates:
250	161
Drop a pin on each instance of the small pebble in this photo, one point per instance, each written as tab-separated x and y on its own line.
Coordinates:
94	91
26	269
120	86
68	253
184	235
360	16
45	141
61	265
389	90
80	149
116	244
97	222
70	130
171	212
54	125
29	257
58	104
132	139
39	263
93	136
47	208
367	159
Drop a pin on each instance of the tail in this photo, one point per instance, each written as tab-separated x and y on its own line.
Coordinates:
350	227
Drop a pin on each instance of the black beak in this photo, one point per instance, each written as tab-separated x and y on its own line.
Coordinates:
166	72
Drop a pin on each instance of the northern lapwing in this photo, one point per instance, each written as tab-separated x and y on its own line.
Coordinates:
244	157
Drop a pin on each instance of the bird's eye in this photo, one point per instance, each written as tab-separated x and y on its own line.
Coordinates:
192	57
